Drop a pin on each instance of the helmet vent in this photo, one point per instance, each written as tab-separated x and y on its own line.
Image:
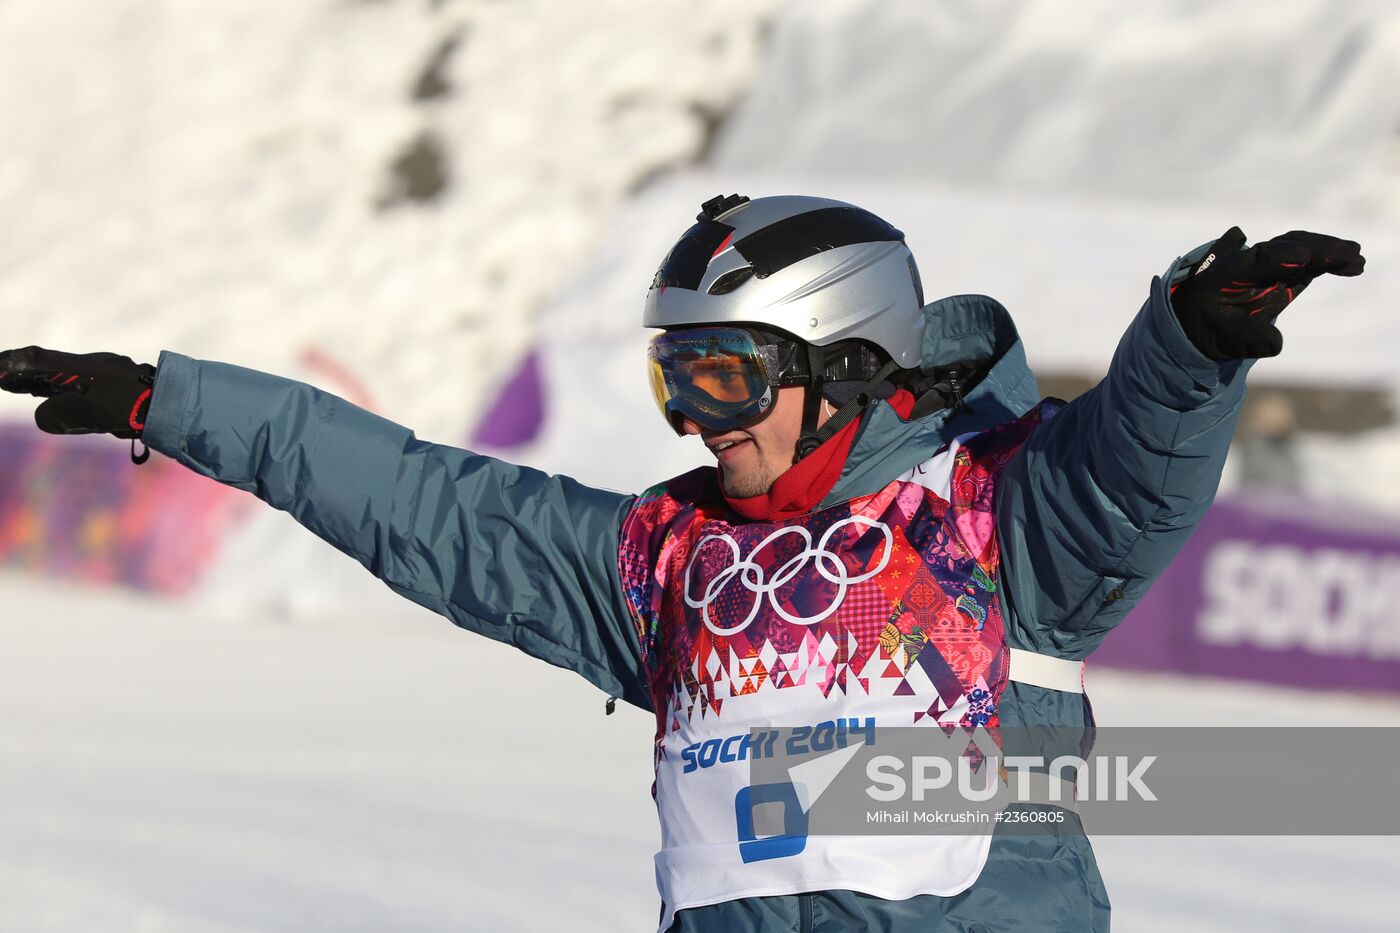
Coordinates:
731	280
685	265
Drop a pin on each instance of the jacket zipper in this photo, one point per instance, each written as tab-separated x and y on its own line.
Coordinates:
804	911
955	389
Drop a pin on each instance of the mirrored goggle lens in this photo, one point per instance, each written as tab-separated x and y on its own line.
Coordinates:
717	377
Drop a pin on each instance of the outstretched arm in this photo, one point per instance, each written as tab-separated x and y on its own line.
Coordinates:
512	553
1103	495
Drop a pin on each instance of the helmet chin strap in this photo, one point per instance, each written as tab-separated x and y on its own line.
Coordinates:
813	437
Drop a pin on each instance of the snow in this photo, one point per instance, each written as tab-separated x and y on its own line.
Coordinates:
161	772
1167	101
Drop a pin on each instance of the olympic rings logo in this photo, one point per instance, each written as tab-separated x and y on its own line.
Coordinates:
751	576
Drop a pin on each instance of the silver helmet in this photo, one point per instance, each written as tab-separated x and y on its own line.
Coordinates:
822	271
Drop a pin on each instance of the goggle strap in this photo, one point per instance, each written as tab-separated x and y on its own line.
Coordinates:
811	411
812	439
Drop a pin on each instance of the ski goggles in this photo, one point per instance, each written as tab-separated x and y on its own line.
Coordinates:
722	378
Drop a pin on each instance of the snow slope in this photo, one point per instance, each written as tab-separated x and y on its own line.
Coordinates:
1167	101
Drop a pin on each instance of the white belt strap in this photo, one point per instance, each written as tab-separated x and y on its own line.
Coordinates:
1042	670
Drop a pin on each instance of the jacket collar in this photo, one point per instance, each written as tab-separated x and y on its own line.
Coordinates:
958	328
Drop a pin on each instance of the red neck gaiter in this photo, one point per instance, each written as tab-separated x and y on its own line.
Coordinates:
807	482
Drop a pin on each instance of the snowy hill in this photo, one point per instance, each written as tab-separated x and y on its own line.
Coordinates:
371	195
1170	101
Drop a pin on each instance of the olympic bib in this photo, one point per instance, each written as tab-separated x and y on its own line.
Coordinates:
881	611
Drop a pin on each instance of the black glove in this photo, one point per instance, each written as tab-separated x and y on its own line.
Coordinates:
1229	301
90	393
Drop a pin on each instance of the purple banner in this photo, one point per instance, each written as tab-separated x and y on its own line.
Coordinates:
516	415
77	508
1283	590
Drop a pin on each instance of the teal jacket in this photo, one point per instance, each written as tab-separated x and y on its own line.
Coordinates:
1089	513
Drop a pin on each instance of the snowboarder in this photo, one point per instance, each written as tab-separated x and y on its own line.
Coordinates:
897	530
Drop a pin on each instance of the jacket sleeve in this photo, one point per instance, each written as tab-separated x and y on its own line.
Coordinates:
1104	494
512	553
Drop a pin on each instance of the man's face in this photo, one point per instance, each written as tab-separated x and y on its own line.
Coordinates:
755	456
